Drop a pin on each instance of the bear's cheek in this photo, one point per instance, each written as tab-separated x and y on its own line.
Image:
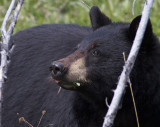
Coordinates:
77	71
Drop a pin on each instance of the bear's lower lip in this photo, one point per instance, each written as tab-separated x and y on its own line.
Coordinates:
66	85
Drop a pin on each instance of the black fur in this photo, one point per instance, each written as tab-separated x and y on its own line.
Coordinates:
98	19
28	90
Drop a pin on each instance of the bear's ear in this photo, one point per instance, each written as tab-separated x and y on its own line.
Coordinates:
134	26
98	19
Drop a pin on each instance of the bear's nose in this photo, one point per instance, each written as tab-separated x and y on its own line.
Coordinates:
57	69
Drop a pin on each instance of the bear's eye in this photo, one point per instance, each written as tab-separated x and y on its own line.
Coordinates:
95	52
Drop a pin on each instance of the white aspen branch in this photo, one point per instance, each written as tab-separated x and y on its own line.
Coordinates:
5	53
119	92
133	7
4	24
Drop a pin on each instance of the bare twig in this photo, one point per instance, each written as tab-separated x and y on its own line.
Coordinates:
133	7
59	90
21	119
43	112
119	92
6	34
134	103
4	24
85	4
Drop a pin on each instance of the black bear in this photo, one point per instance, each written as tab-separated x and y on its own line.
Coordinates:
86	62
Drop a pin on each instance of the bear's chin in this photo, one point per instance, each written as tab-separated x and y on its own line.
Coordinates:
69	85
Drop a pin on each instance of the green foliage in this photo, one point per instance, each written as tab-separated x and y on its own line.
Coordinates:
36	12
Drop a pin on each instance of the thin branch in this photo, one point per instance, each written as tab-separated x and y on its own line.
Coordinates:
133	7
119	92
21	119
4	24
6	34
43	113
14	17
85	4
59	90
134	103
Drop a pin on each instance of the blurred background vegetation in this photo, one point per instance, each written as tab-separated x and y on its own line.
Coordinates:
36	12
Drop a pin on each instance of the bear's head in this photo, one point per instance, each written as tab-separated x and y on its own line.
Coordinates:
98	60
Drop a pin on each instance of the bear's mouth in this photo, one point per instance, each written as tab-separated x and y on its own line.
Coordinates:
68	85
69	78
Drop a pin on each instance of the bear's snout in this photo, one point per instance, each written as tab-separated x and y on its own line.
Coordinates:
57	69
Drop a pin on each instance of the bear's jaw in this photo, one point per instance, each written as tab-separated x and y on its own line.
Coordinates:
69	85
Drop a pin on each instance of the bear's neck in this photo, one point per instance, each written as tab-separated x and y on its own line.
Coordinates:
89	109
95	96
